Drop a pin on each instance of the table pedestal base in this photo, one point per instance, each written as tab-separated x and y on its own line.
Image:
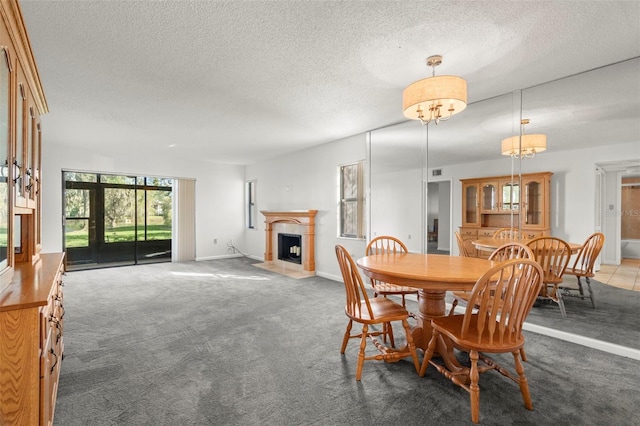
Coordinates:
432	305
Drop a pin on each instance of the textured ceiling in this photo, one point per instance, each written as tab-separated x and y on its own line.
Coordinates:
239	81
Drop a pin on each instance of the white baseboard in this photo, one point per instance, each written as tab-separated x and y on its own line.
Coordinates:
223	256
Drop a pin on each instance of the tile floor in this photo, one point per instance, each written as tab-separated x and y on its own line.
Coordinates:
626	275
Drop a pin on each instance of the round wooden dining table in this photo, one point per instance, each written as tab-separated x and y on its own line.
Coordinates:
433	275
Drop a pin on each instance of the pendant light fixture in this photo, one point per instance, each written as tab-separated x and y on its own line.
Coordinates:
436	98
522	145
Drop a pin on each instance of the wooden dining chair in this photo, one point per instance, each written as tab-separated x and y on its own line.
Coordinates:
504	296
459	295
583	267
433	234
504	252
465	247
509	233
553	255
370	311
385	244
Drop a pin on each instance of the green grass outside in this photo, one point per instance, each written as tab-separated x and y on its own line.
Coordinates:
119	234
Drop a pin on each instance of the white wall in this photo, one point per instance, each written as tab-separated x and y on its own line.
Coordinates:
306	180
396	200
219	192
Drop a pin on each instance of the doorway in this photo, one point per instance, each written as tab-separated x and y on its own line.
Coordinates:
610	212
439	216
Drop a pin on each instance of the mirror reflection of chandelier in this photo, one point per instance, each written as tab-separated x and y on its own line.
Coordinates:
434	98
524	146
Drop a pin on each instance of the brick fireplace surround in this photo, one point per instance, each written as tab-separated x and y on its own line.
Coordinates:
294	221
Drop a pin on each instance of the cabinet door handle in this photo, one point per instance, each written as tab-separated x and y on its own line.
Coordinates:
57	324
53	367
59	299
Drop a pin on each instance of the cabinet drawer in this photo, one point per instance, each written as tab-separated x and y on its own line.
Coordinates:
467	233
486	233
533	234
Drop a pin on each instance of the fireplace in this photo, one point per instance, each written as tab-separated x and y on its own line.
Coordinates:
290	248
298	223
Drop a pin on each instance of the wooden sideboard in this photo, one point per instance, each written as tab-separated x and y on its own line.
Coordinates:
494	202
31	299
31	342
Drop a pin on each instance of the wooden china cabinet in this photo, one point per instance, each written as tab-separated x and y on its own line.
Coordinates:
31	298
490	203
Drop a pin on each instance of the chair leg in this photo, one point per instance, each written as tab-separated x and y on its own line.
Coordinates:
560	302
363	344
580	289
474	388
523	354
411	345
387	330
522	381
429	352
591	295
347	336
454	303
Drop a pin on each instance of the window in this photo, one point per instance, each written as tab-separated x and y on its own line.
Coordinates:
352	200
116	219
250	202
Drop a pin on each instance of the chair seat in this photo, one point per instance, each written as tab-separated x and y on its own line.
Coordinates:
386	288
383	310
551	278
579	273
461	295
451	326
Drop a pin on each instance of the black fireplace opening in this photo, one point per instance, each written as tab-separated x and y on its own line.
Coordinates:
290	248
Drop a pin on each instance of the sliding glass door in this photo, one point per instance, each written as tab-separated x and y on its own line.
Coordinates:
116	220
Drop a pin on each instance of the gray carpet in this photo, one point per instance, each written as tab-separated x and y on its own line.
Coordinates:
616	319
226	343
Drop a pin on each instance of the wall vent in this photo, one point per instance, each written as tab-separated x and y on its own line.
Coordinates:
436	172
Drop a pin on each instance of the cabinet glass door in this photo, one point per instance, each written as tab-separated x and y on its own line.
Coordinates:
4	158
534	204
489	197
510	196
470	205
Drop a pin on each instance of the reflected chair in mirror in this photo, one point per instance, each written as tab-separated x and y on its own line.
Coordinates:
371	311
583	268
514	233
465	247
433	234
504	296
553	255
